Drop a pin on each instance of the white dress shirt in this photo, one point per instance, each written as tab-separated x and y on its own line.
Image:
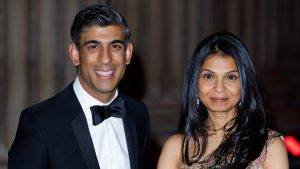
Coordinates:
108	137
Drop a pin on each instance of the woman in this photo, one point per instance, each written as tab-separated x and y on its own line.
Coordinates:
223	114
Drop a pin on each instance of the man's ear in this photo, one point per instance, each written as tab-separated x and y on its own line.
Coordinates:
129	51
74	54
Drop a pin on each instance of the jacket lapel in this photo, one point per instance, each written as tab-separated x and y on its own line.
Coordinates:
131	138
84	140
80	128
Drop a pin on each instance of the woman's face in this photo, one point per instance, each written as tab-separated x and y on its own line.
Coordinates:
219	85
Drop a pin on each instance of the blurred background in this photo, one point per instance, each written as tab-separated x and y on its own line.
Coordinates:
34	60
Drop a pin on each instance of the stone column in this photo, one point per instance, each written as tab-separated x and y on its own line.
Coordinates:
3	85
273	34
69	11
249	22
261	35
17	25
174	43
153	48
233	16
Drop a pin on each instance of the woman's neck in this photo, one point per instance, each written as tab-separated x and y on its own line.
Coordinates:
217	122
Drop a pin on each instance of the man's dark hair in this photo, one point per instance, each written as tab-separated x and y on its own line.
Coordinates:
100	15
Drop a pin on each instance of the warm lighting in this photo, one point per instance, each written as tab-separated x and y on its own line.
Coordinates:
292	145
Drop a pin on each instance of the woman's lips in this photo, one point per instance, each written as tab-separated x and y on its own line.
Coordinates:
218	99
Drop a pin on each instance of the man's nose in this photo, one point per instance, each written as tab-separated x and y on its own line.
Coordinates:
105	55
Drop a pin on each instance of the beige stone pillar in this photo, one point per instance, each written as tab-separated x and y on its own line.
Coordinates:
233	16
70	10
3	76
47	50
193	27
16	59
250	23
261	35
132	14
206	15
153	48
272	35
174	45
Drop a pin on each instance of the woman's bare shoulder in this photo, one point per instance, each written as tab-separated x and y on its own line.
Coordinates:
175	139
276	156
173	144
170	154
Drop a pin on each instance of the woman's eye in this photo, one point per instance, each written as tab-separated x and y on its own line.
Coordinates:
208	76
232	77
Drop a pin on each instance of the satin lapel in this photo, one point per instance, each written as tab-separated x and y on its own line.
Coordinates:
131	138
80	128
85	142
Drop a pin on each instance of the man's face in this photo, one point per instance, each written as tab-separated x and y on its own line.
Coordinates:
101	60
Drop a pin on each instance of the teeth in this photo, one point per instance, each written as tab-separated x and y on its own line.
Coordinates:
106	73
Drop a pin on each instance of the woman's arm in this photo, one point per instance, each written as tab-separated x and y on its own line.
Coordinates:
170	154
276	157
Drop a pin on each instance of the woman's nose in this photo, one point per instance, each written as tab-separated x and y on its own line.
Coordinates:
220	86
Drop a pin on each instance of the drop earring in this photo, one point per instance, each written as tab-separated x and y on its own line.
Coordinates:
197	101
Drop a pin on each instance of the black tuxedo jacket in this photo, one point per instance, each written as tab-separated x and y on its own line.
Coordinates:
54	135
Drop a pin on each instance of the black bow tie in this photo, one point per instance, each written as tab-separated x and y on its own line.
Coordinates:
114	109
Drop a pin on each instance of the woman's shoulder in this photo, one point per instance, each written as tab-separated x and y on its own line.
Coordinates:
174	143
175	139
275	139
273	155
276	153
170	154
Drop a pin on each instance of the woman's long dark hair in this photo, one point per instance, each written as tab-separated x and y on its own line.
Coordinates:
245	139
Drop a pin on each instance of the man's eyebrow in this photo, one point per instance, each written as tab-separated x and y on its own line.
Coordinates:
97	42
90	41
118	41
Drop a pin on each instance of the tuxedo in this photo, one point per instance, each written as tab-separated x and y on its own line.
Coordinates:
54	134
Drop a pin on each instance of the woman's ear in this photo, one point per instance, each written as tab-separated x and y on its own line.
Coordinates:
74	54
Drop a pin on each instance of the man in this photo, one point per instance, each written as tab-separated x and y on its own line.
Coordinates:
89	125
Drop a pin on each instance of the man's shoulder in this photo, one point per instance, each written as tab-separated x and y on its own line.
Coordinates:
52	103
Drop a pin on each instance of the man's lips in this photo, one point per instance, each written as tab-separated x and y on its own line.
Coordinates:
104	74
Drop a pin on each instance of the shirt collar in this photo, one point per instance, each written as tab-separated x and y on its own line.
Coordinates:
86	99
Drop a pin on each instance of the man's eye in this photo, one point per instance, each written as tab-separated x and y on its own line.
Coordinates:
92	47
116	46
